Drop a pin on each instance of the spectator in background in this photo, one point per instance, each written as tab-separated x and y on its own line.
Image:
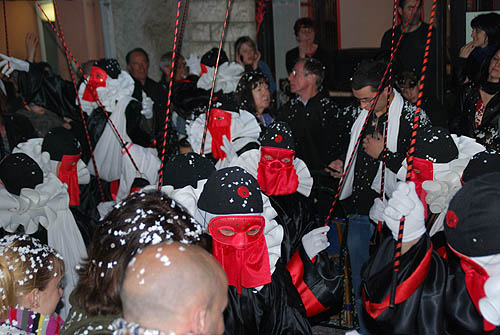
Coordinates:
138	67
485	40
305	35
252	94
181	70
247	54
408	84
410	53
193	288
312	115
477	111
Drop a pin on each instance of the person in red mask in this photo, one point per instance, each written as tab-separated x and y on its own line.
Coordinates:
434	296
65	153
286	180
247	242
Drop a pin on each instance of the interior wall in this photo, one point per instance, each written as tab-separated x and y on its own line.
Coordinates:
21	19
364	22
81	26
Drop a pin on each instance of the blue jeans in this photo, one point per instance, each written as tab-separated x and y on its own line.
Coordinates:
358	242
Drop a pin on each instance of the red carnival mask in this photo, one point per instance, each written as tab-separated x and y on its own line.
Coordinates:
219	125
68	174
97	79
240	247
276	174
422	170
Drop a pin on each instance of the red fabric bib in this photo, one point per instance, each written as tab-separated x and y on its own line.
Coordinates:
422	170
475	277
240	247
97	79
276	174
68	174
219	125
404	290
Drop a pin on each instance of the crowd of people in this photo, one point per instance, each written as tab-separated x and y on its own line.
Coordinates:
117	219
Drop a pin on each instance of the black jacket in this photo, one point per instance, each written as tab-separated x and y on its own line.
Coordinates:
440	303
317	129
465	111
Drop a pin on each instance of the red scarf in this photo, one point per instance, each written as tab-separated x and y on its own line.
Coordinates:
276	174
240	247
475	277
97	79
422	170
219	125
68	174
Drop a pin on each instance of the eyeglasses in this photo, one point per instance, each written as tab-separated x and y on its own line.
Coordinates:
367	101
295	73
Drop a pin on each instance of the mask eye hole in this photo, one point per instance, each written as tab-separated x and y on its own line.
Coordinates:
286	160
268	157
227	232
253	232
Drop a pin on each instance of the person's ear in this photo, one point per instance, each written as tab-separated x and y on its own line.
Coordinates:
32	299
200	322
400	11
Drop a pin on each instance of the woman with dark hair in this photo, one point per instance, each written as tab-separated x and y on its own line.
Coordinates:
31	286
252	94
485	40
142	219
477	112
248	56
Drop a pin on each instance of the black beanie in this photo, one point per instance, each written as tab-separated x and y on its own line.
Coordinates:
60	141
435	144
278	135
472	225
18	171
231	191
481	163
186	169
110	65
210	57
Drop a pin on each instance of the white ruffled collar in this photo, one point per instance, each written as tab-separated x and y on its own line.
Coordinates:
228	76
244	129
250	159
115	89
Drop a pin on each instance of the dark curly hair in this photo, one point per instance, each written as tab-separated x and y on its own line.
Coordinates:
144	218
243	93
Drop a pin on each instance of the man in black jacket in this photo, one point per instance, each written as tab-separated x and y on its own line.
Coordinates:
312	116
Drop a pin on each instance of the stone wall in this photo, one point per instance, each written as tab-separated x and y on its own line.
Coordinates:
205	21
150	24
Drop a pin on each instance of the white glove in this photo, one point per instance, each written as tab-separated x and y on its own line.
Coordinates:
229	149
377	210
405	202
441	190
315	241
489	306
9	64
147	106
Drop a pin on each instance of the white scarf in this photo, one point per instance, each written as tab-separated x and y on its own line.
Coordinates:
392	145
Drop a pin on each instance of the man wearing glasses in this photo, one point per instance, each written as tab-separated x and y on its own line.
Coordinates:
363	179
312	116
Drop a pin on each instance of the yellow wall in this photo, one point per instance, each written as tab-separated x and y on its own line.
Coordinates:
363	22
